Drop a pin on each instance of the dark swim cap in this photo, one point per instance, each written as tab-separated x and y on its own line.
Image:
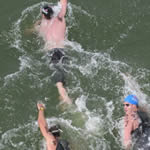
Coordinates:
55	130
47	11
132	99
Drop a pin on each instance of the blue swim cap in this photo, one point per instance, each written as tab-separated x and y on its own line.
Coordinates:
132	99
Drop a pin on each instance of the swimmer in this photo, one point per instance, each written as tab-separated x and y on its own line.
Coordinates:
52	134
135	119
52	29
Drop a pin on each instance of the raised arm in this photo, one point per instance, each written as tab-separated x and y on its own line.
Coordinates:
63	8
41	120
50	139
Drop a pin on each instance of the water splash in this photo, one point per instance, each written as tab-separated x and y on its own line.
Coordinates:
132	87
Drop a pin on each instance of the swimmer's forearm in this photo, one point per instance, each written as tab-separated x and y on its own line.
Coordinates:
127	134
34	28
63	9
41	118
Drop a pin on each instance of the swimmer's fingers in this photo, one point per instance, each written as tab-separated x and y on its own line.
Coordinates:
39	105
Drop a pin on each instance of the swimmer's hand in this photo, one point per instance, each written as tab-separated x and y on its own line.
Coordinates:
40	106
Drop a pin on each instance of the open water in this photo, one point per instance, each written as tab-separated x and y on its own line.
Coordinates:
108	45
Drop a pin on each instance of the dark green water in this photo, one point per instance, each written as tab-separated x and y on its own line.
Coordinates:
109	50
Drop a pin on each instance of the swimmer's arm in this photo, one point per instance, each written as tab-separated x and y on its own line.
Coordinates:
34	28
38	22
127	135
50	139
63	9
41	120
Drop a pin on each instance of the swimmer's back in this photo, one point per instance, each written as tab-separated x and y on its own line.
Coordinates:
53	31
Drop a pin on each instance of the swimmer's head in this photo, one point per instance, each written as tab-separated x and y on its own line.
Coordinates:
131	99
55	130
47	11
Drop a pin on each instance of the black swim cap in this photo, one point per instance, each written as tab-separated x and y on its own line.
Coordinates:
55	130
47	11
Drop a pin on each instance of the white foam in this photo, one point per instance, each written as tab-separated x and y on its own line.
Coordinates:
63	122
57	9
81	103
97	61
93	121
132	87
110	108
24	63
8	136
80	10
74	45
93	124
119	123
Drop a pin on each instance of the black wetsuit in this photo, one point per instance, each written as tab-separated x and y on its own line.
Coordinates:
57	58
141	136
57	55
63	145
